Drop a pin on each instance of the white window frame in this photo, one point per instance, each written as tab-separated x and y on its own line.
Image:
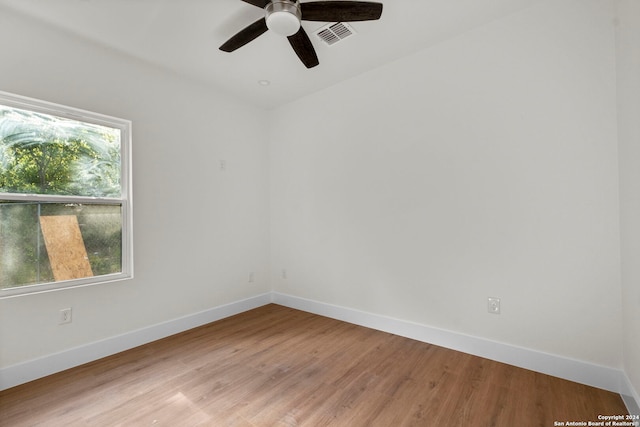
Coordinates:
31	104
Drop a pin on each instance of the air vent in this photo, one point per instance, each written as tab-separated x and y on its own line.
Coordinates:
333	33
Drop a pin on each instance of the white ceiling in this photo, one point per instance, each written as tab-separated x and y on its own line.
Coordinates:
184	36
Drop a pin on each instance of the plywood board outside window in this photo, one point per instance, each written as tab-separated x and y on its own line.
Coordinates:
65	246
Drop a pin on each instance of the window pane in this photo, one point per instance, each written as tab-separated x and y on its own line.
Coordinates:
46	154
35	244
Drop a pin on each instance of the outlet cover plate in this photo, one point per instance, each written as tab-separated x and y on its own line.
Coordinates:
493	305
65	316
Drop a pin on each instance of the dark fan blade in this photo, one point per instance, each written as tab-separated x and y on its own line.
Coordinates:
341	11
260	3
304	49
245	36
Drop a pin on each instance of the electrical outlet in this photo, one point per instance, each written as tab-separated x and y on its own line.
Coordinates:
252	277
65	316
284	274
493	305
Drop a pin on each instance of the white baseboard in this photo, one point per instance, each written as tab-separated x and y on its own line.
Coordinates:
630	397
570	369
51	364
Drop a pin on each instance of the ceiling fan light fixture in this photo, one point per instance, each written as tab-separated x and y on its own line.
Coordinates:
283	17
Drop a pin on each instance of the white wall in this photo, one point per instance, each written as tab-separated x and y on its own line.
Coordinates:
628	37
198	231
485	166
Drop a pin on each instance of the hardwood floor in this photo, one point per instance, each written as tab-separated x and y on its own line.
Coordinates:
276	366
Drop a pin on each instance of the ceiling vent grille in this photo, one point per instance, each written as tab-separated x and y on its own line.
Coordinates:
333	33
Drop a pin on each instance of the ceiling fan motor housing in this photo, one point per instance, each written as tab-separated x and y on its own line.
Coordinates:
283	17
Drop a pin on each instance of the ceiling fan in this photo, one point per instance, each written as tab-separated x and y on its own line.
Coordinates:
284	16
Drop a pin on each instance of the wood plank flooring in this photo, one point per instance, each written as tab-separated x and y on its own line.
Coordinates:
276	366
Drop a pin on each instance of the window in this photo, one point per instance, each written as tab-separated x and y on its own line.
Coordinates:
65	197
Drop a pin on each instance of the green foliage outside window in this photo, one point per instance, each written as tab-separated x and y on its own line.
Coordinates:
41	154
